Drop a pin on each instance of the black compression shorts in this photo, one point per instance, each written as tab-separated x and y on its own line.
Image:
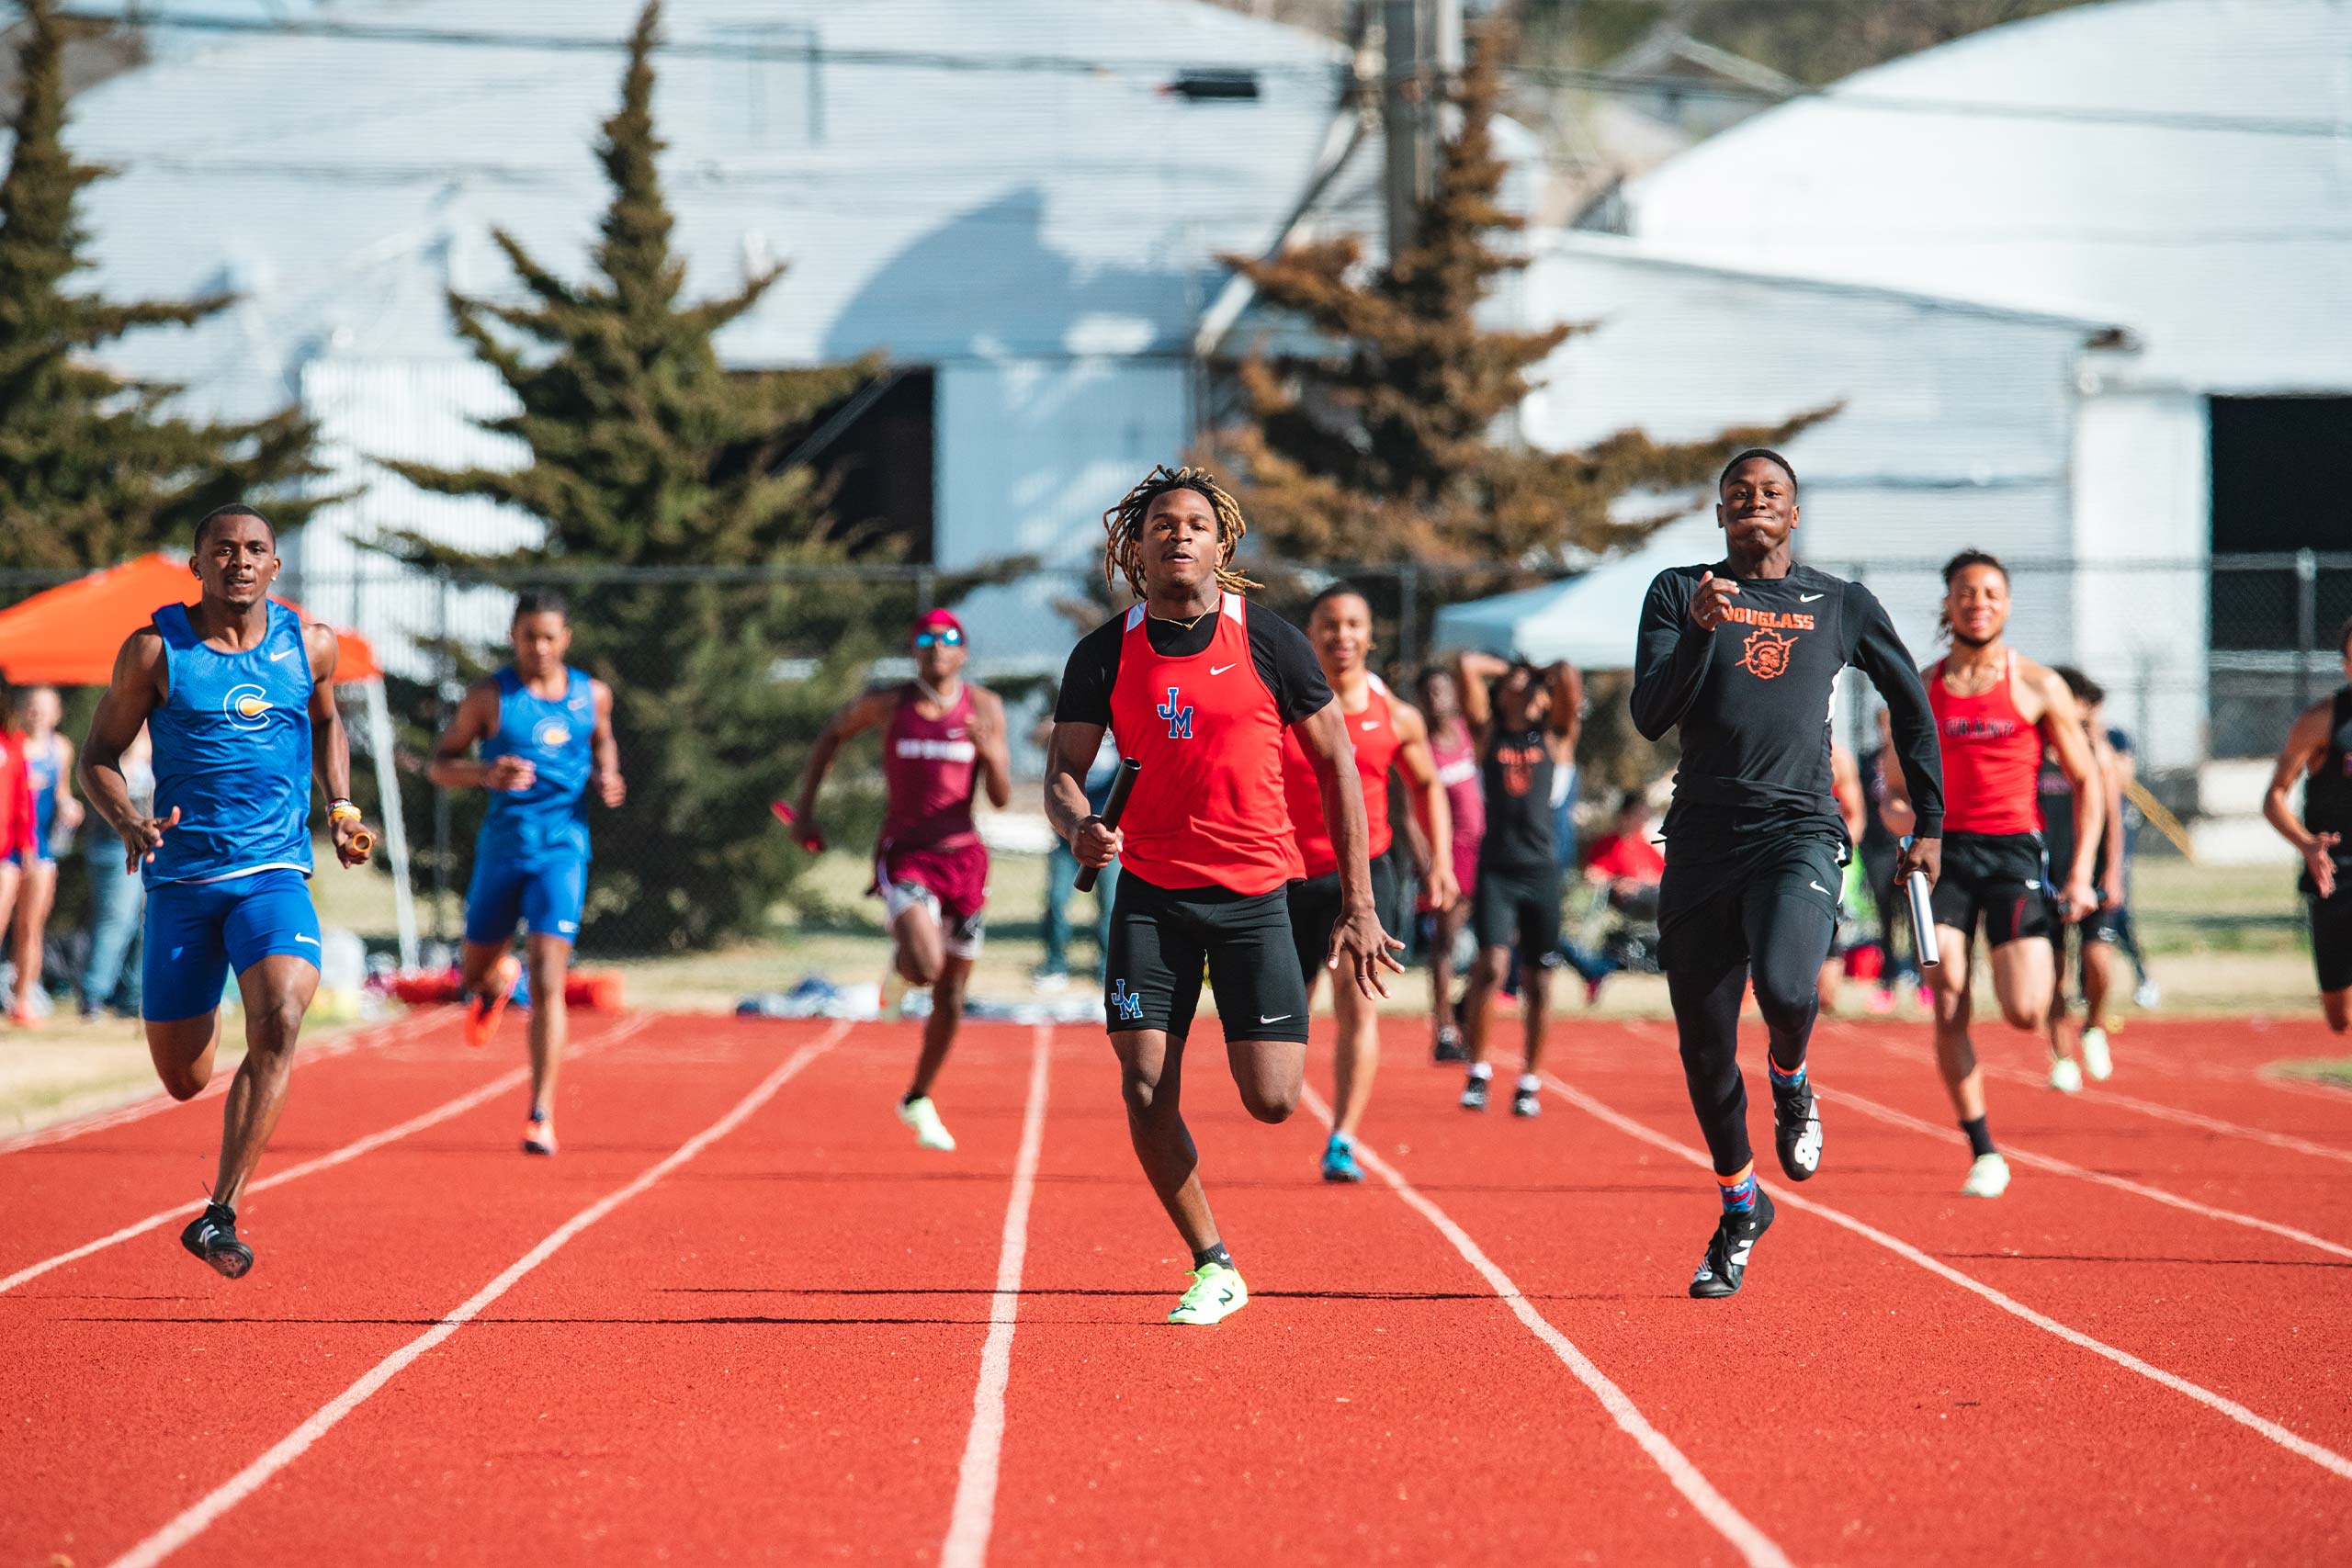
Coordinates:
1159	940
2000	877
1511	906
2332	940
1315	910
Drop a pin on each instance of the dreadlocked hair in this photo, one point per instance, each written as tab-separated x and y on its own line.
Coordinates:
1123	528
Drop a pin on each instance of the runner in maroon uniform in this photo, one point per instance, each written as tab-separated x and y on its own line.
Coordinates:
1197	686
1994	709
1386	733
1455	748
944	737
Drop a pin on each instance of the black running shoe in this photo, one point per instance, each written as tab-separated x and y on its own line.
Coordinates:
1449	1047
212	1236
1473	1094
1725	1264
1524	1101
1796	1131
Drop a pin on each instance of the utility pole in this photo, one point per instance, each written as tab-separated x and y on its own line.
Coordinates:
1422	48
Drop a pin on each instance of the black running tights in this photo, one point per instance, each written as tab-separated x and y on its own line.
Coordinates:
1787	933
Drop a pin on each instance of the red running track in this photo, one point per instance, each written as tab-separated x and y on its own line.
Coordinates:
743	1319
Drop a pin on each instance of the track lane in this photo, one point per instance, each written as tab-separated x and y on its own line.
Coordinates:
148	1379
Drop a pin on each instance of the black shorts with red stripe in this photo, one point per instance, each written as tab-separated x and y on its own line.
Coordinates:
2000	877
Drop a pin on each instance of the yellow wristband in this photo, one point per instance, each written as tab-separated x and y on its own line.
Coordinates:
343	811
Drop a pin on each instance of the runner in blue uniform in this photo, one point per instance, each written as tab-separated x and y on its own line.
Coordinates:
545	732
237	696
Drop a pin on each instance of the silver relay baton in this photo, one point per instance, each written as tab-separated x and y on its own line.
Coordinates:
1923	915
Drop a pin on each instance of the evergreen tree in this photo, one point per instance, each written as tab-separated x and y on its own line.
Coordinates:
92	467
1381	445
645	452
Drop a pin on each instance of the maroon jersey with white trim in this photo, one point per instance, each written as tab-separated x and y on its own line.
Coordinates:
931	766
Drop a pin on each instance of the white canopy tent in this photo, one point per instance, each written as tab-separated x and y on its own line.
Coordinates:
1590	620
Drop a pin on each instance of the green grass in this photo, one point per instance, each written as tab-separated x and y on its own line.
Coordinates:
2328	1070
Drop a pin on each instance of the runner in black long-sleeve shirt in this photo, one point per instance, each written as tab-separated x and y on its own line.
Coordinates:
1743	655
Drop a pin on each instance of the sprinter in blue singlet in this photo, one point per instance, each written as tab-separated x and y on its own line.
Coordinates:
545	733
236	693
49	762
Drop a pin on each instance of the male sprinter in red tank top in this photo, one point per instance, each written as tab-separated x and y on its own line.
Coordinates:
1994	709
944	739
1197	686
1386	733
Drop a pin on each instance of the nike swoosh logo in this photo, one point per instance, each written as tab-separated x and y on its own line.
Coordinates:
1276	1019
284	653
1369	724
1224	1297
311	939
1807	598
1219	669
1817	887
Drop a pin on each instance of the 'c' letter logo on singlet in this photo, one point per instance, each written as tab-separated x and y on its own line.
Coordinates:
1179	719
552	734
1765	654
247	708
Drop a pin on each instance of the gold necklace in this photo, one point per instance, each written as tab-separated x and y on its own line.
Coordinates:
1188	625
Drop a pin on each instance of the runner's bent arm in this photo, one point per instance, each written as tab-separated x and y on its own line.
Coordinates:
1567	710
131	694
1873	648
1430	820
611	788
1069	752
330	745
1471	670
476	719
1357	938
2306	739
856	718
1670	659
988	740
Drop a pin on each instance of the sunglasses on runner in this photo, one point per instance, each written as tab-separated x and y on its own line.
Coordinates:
951	636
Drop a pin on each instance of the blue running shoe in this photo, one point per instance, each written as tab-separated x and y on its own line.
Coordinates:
1340	1159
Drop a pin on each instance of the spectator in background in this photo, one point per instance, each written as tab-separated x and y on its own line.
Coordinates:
1062	872
118	899
1455	751
1855	905
48	763
17	839
1884	822
1625	866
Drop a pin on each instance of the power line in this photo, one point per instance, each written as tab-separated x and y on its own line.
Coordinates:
816	52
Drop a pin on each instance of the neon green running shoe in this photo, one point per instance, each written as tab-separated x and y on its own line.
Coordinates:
1216	1294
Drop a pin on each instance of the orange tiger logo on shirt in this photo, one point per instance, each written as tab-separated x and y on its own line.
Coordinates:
1765	654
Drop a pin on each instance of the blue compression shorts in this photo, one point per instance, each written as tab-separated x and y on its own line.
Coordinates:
544	897
198	933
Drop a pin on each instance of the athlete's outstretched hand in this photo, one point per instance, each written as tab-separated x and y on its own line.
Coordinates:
1358	948
1921	855
1095	844
2318	857
510	773
1709	605
352	839
146	836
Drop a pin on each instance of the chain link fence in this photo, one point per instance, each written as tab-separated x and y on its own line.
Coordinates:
724	678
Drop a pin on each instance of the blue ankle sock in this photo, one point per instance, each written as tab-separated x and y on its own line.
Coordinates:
1781	1080
1740	1191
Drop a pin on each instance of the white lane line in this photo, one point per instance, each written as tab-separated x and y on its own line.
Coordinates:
193	1521
1888	1114
155	1104
1754	1546
344	1156
2325	1458
973	1516
2105	1096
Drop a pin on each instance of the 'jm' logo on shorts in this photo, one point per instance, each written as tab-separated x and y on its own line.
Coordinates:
1179	719
1123	1002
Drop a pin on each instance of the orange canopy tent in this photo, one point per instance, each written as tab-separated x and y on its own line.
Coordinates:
69	634
69	637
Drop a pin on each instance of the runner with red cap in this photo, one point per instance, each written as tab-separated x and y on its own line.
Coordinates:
943	740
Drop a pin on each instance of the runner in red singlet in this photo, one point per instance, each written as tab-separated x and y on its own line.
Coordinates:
1455	748
1994	709
943	740
1386	733
1198	685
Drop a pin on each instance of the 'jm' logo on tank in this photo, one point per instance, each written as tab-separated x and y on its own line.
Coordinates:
247	706
1765	654
1123	1002
1179	719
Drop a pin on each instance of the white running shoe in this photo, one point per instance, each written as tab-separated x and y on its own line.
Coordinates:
923	1117
2097	1062
2065	1076
1988	1176
2147	996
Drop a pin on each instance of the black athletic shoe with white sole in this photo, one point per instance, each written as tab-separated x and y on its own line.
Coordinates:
1725	1264
1526	1102
1449	1047
212	1236
1474	1093
1796	1131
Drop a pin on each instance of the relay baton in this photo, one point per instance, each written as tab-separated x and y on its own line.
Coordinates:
804	834
1113	809
362	843
1923	915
